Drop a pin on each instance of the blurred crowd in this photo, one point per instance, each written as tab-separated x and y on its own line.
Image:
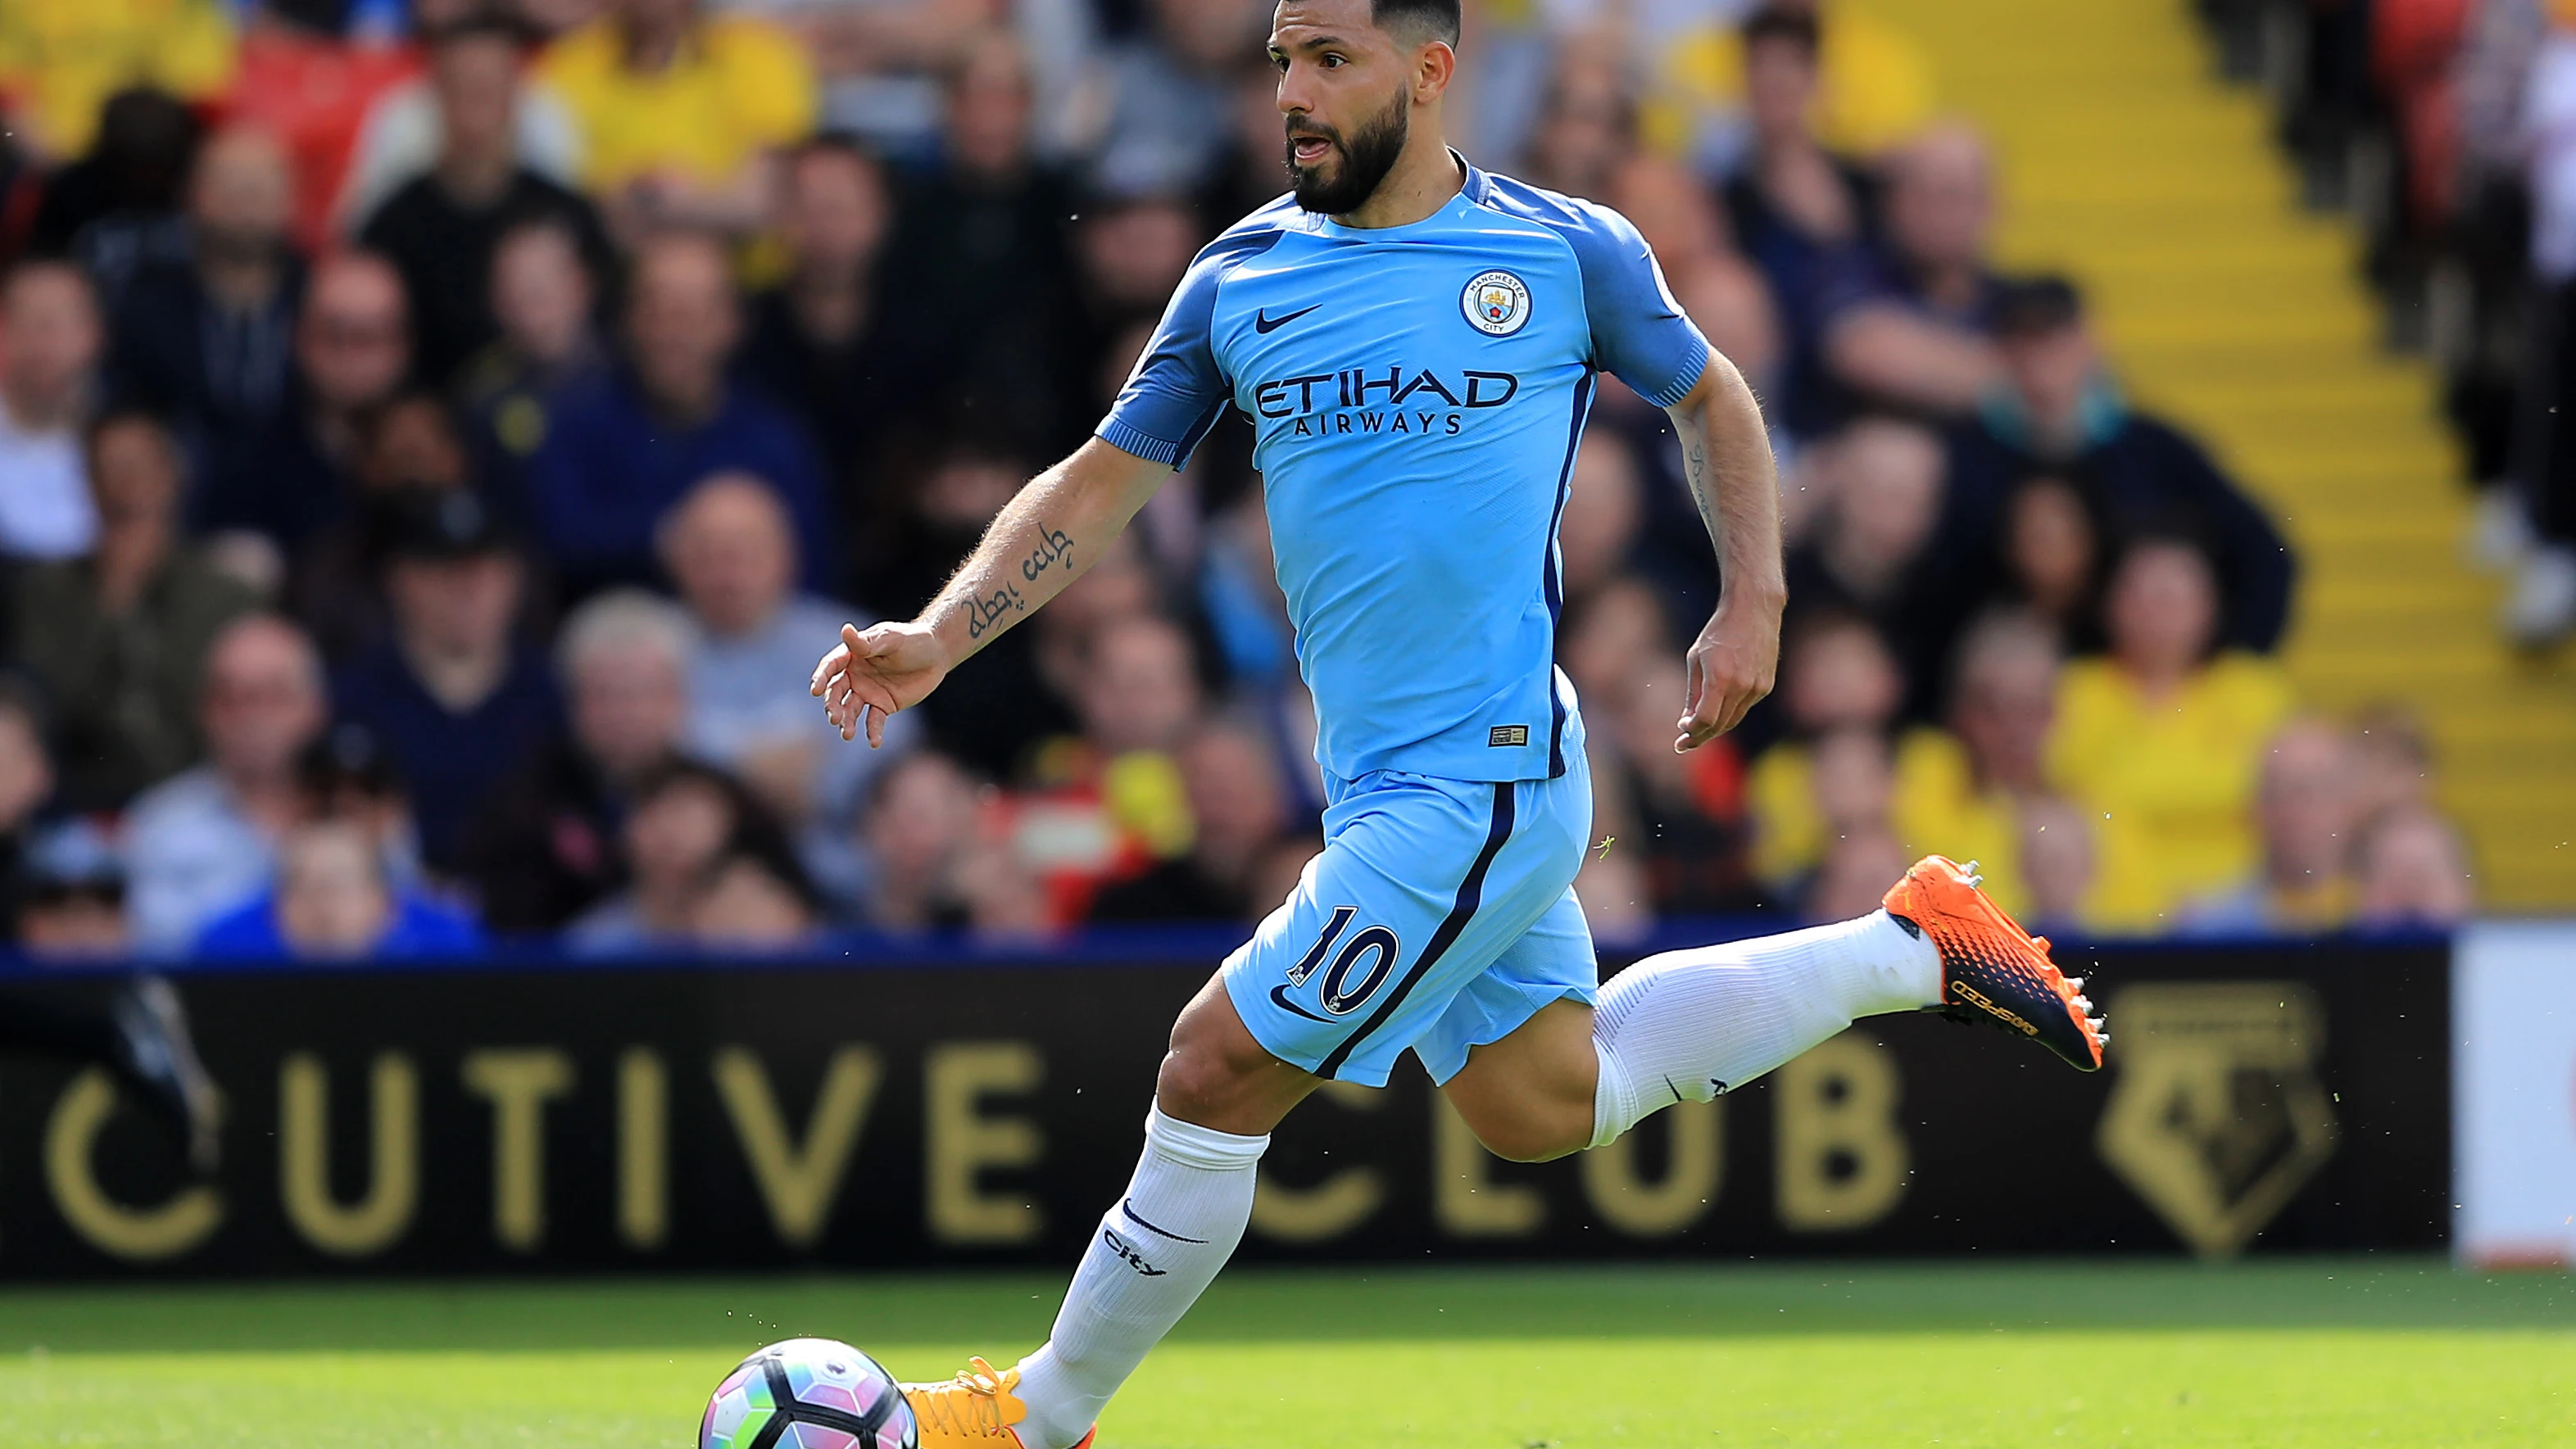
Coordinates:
2448	129
438	436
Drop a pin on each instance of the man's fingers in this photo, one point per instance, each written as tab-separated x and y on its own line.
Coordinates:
836	664
832	666
876	727
1722	706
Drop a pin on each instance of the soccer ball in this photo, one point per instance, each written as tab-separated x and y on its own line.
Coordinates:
808	1393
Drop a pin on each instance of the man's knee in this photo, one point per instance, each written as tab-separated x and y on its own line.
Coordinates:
1200	1074
1216	1075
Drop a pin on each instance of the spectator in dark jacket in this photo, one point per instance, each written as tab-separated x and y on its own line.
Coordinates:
1887	549
621	448
440	228
2062	414
459	704
543	299
1796	208
1910	324
290	477
992	209
119	637
207	340
821	342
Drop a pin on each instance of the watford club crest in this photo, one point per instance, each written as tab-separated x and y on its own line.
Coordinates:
2217	1117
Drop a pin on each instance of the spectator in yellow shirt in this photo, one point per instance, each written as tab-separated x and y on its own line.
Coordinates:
2162	742
682	113
61	59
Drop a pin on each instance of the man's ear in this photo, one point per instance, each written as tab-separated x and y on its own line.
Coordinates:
1434	66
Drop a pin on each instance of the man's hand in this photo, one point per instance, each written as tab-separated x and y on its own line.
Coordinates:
1732	665
871	674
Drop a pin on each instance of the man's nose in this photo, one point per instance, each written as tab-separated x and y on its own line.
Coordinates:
1294	99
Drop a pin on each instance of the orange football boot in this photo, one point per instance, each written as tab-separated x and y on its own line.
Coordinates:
1991	969
974	1410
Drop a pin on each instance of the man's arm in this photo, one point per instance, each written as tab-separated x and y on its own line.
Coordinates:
1726	458
1044	539
1889	352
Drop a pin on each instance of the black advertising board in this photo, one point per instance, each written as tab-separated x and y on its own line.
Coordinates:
958	1111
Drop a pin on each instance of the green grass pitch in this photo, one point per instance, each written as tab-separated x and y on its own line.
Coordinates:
2330	1353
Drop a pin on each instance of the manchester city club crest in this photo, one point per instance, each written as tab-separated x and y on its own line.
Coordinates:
1496	303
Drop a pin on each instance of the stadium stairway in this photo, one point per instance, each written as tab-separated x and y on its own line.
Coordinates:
2129	165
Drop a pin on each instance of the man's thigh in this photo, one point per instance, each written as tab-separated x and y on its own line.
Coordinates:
1422	885
1514	1050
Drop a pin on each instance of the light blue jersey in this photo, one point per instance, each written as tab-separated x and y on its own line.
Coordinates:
1418	392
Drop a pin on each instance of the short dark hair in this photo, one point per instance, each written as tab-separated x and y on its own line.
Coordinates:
1772	22
2037	306
1437	19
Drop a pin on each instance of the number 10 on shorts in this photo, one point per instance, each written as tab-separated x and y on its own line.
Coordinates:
1348	984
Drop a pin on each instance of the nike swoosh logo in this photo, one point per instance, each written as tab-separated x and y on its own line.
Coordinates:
1264	323
1279	996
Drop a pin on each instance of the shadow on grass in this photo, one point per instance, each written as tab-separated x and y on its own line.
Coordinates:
1010	1311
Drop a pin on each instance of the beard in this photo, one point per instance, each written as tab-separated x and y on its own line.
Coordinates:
1367	156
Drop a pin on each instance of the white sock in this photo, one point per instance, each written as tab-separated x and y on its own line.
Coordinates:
1688	1025
1156	1251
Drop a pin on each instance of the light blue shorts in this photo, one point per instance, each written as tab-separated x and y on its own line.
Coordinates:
1440	916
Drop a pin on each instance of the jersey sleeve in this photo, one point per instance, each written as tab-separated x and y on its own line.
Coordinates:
1639	333
1178	390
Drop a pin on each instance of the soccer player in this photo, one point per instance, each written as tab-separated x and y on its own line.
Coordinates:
1415	342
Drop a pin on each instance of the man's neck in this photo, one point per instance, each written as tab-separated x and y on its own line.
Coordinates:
2155	683
1785	148
266	798
460	680
664	912
39	410
476	183
735	630
688	407
2058	436
560	361
1867	578
831	304
1423	179
129	557
239	283
334	429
